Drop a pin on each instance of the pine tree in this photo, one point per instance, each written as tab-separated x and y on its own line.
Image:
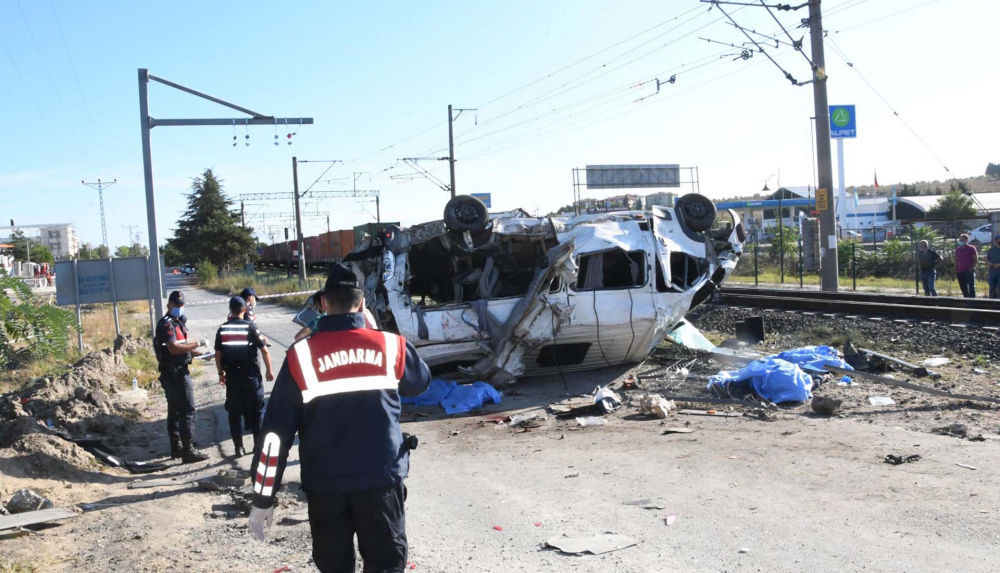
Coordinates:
209	230
954	205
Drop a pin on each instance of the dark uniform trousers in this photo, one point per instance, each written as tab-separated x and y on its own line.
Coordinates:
244	399
376	516
179	390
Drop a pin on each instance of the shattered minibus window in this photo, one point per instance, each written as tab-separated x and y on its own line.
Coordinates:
611	270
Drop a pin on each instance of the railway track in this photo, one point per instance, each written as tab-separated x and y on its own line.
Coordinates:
958	310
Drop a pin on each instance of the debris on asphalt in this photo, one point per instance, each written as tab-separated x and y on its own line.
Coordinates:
647	503
957	430
710	413
887	380
968	467
593	544
744	550
11	522
591	421
222	481
573	407
498	527
25	500
528	420
677	430
606	400
782	377
899	460
655	405
886	360
825	406
669	519
881	401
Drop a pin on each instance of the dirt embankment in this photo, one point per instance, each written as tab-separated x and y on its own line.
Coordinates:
39	422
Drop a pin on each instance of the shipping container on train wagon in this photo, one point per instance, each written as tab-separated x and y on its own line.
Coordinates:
343	243
369	228
326	246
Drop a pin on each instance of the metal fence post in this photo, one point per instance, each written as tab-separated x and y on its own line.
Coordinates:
854	264
114	296
800	262
755	277
76	298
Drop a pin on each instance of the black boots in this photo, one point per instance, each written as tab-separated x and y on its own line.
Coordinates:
189	456
238	446
175	449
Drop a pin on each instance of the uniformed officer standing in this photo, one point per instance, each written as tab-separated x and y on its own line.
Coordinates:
173	353
339	390
236	345
250	296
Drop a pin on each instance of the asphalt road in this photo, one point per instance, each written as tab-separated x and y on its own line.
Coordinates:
798	494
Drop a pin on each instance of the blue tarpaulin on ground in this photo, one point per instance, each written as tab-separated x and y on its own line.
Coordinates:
782	377
454	398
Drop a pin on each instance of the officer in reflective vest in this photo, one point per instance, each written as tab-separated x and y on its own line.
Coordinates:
250	296
173	353
236	345
340	389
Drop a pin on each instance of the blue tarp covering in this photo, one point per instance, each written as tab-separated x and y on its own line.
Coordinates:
456	399
782	377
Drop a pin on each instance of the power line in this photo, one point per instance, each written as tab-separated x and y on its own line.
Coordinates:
45	67
788	76
34	100
884	17
72	66
797	45
851	65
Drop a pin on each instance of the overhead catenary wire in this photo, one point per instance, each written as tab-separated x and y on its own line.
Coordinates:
34	100
797	45
788	76
837	50
884	17
72	65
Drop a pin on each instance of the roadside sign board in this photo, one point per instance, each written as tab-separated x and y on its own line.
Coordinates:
822	199
843	121
95	284
485	198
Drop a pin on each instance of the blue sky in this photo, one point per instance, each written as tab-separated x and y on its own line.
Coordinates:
375	73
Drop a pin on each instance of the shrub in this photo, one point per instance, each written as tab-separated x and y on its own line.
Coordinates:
207	272
30	329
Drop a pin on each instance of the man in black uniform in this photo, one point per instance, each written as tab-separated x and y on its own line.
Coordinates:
236	345
173	353
250	296
339	391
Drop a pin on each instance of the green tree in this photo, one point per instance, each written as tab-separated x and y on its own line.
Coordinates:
993	170
172	256
102	252
210	228
121	252
138	250
30	329
85	252
906	190
954	205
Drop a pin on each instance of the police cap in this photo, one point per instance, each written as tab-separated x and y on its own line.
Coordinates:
341	276
177	298
248	292
237	303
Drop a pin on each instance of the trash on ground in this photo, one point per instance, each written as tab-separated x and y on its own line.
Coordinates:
825	406
710	413
593	544
899	460
968	467
677	430
222	481
889	381
528	420
573	407
669	519
606	400
591	421
647	503
881	401
655	405
781	377
957	430
888	361
104	454
25	500
498	527
455	398
34	517
744	550
936	361
980	371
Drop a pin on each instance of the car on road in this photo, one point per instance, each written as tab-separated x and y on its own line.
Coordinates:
982	235
495	297
187	269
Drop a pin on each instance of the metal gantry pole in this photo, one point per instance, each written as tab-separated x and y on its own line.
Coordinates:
155	272
451	150
829	276
100	186
298	221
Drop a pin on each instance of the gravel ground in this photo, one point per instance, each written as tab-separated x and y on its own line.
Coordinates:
798	491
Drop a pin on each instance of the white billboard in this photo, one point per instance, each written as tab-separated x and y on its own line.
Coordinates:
633	176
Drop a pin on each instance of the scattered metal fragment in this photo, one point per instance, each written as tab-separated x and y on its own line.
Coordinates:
593	544
899	460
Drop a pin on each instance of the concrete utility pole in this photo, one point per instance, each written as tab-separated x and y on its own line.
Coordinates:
829	272
101	186
298	221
